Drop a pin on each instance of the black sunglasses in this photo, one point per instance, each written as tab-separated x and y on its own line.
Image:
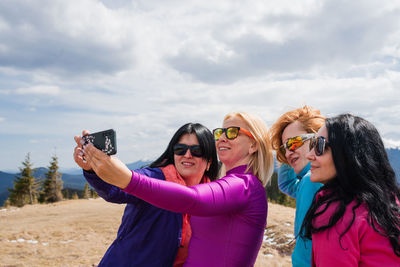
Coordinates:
319	144
180	150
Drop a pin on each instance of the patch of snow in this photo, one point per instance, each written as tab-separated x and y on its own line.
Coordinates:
291	236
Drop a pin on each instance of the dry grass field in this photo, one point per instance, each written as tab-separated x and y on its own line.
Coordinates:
78	232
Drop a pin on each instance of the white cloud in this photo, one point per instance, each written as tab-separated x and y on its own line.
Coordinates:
391	143
38	90
145	68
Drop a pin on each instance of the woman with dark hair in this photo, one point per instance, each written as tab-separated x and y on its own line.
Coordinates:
148	235
228	216
354	219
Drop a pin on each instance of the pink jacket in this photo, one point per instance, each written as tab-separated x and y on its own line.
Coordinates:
360	246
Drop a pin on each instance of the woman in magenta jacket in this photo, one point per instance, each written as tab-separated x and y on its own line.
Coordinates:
148	235
354	219
228	216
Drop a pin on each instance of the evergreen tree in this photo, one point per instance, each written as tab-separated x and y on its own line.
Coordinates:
6	203
26	188
66	194
276	196
94	193
75	195
53	184
86	192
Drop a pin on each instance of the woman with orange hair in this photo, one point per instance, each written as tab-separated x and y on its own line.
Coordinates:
288	135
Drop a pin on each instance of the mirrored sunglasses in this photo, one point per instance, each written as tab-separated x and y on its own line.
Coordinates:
230	132
295	142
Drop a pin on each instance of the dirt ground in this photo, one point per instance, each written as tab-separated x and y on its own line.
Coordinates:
78	232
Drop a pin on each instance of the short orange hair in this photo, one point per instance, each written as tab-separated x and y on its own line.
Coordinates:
310	118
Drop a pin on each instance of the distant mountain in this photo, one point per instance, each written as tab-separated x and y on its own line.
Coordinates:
6	181
69	181
394	157
138	164
74	180
71	170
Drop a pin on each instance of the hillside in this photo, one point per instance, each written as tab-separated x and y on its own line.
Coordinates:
69	181
73	180
78	232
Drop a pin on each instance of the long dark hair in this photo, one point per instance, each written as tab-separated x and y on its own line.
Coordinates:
206	142
363	175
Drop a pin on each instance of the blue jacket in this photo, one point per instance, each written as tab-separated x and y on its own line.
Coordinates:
147	236
303	190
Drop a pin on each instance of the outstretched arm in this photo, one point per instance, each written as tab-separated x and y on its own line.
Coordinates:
222	196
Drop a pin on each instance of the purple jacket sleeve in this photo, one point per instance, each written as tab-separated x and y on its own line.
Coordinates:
226	195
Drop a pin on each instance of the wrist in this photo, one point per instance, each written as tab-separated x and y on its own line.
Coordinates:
126	179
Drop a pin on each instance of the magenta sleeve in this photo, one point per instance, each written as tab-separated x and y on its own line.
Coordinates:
226	195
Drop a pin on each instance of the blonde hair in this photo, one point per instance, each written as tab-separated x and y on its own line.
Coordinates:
262	161
310	118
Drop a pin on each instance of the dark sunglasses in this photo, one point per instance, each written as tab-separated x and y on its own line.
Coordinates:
319	144
180	150
230	132
295	142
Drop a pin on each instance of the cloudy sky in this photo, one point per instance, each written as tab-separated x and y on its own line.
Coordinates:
146	67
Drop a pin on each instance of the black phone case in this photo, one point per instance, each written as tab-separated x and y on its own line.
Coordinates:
104	140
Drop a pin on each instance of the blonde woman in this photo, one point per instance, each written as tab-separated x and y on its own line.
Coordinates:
228	216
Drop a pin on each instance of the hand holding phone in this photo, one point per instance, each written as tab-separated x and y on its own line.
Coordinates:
104	141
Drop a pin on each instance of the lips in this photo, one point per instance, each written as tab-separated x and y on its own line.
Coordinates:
187	163
313	167
223	148
293	160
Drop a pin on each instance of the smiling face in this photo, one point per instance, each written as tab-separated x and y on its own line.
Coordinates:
189	167
297	159
322	167
238	151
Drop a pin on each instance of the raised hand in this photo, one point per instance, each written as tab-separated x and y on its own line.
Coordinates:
78	152
109	168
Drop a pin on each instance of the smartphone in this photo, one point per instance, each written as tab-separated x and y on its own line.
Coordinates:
104	140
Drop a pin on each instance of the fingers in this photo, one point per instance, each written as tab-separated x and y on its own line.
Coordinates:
78	139
94	156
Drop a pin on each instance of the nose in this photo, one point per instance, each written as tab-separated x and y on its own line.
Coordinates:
222	137
310	155
288	152
188	154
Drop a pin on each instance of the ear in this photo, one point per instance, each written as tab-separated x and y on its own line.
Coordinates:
208	166
253	147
